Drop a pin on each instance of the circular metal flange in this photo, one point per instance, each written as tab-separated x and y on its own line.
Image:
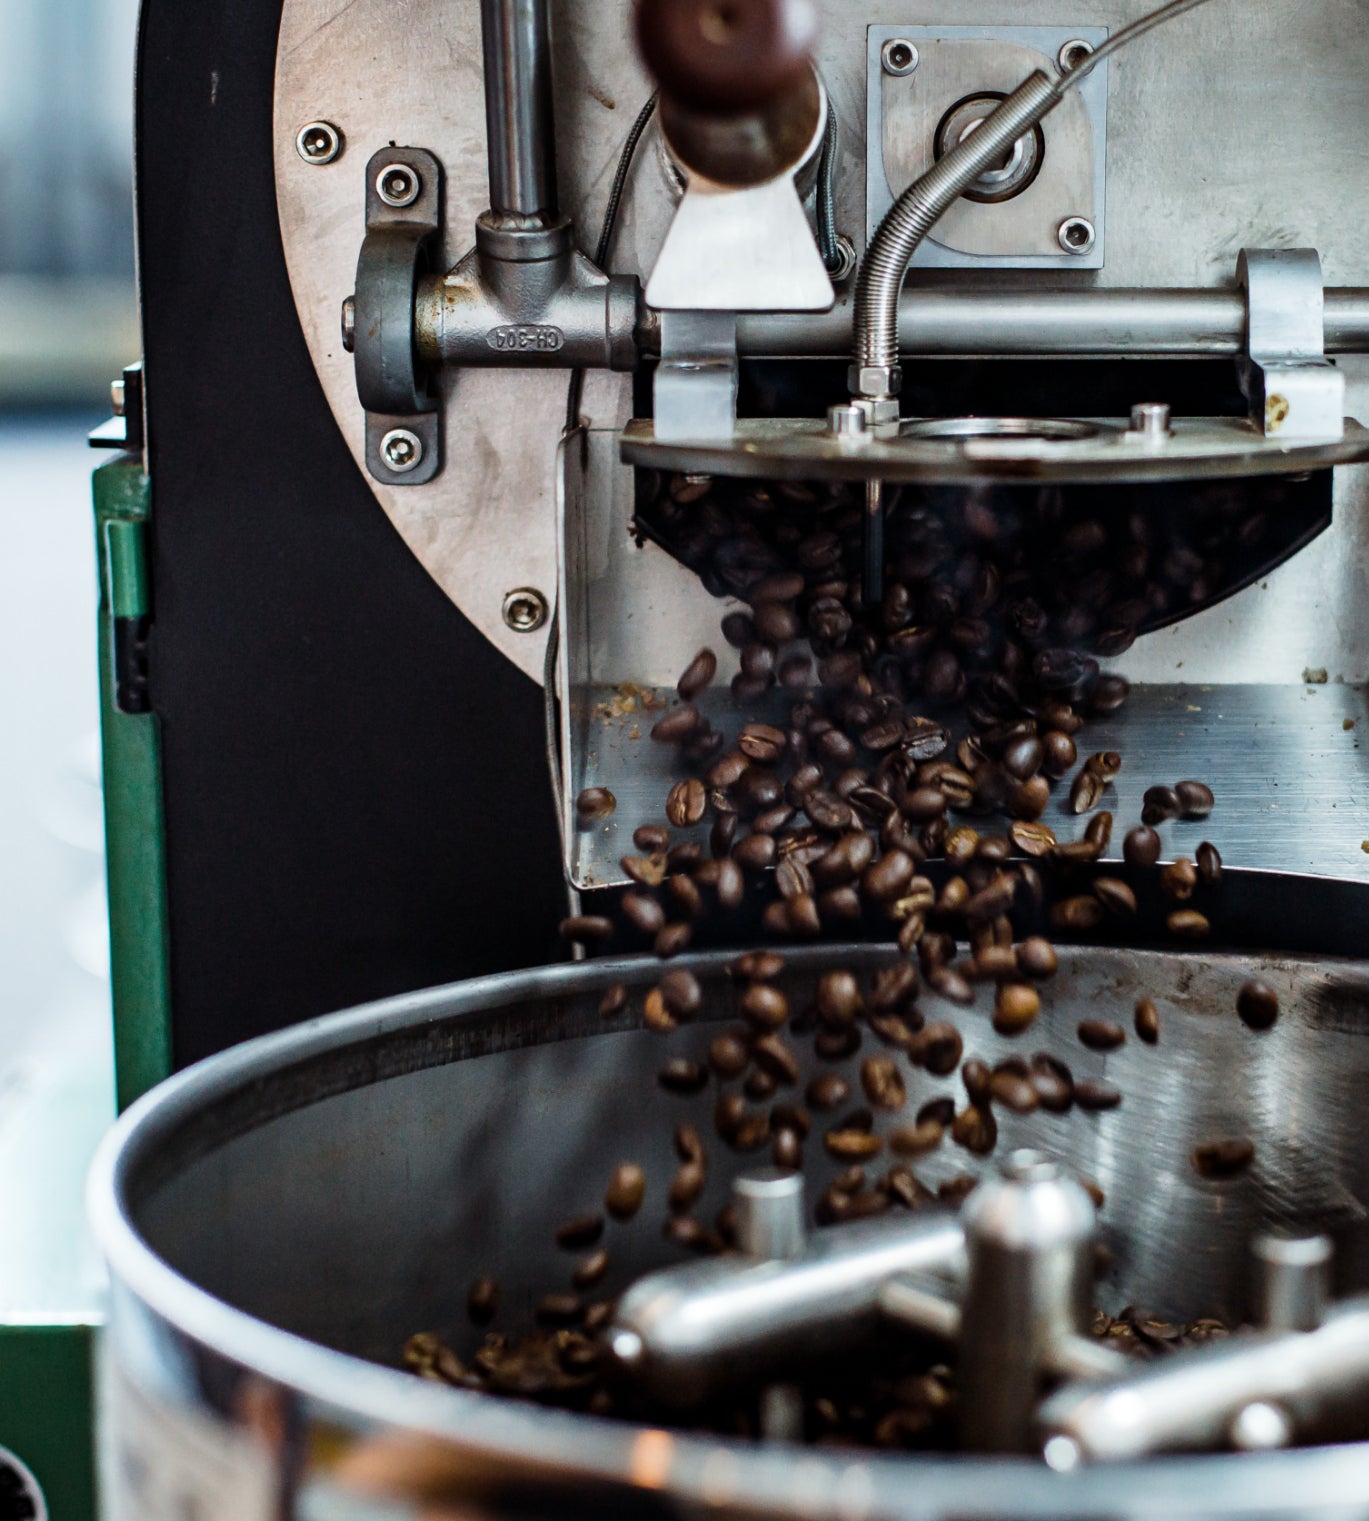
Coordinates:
963	451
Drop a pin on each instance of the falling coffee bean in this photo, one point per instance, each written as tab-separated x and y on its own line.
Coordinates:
1101	1034
626	1191
1141	846
582	1231
883	1082
1195	799
1257	1004
1015	1008
1096	1095
682	1076
686	803
1188	924
1037	959
1208	860
1147	1020
591	1270
976	1129
698	674
1222	1158
482	1302
614	1000
1178	879
827	1092
586	928
1160	804
595	804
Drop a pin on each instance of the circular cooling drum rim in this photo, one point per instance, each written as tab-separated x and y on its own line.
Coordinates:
537	1445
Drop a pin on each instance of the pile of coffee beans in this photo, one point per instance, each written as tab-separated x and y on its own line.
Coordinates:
885	770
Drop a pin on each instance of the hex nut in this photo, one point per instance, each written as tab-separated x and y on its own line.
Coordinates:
876	380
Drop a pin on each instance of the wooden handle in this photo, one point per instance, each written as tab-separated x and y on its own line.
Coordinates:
726	57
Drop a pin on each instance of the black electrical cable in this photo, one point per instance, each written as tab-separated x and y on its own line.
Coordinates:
606	235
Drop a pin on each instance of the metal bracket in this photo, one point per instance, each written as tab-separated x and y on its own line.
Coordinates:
403	219
696	380
1294	391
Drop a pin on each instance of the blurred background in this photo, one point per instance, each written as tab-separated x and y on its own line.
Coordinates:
68	325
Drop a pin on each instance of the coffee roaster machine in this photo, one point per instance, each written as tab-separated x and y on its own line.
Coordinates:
369	574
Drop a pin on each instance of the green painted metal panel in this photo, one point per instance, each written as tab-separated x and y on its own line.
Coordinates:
135	831
46	1412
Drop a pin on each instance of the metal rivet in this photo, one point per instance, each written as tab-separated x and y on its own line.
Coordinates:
398	185
318	142
402	450
1076	235
1150	419
1073	53
349	323
525	610
898	57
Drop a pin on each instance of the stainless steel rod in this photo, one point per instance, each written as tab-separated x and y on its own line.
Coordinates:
947	320
518	107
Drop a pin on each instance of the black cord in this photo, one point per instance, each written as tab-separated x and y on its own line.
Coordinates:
827	213
606	235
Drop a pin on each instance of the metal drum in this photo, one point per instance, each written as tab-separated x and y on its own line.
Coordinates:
278	1220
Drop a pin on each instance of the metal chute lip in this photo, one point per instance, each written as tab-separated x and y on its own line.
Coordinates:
1052	430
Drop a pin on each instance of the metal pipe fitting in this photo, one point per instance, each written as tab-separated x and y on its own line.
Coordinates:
687	1332
516	35
948	320
875	369
1029	1234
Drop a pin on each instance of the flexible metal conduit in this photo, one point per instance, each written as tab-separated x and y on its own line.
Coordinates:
917	211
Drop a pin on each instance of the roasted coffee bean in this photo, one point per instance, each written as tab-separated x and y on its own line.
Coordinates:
672	940
976	1129
828	1091
764	1006
1024	757
591	1270
1257	1004
1208	860
885	879
1195	799
893	986
1077	914
1141	846
949	983
773	819
594	804
923	804
655	1015
1096	1095
1178	879
558	1309
961	845
1013	1092
677	726
685	894
586	928
762	743
995	963
903	1186
758	966
852	1145
682	1076
775	1058
796	671
1054	1093
803	916
845	861
1223	1158
1058	754
1147	1021
1099	831
482	1302
827	811
786	1149
1036	958
840	905
838	997
793	879
787	1116
1015	1008
883	1082
975	1075
643	913
802	783
916	1140
698	674
685	1231
1086	791
954	1191
757	667
578	1233
1033	839
775	623
1188	924
1106	764
685	1187
614	1001
1160	804
756	852
646	871
651	837
938	1048
1029	800
1101	1034
728	1055
626	1190
836	1045
689	1144
1115	896
686	803
731	885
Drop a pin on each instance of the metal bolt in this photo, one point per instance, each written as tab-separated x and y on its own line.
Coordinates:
318	142
1076	235
402	450
349	323
1150	419
525	610
398	185
846	420
1073	53
898	57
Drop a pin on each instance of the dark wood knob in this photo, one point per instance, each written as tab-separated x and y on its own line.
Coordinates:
727	56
